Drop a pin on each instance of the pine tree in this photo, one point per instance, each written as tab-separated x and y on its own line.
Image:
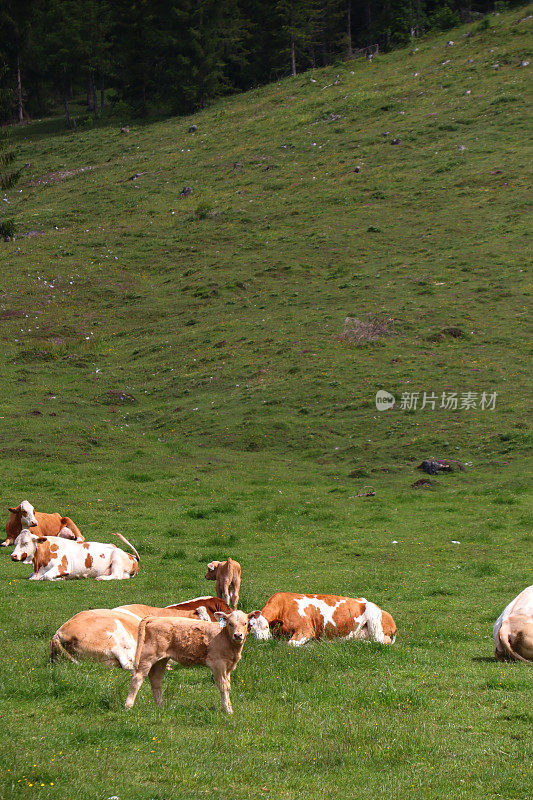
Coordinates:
8	178
300	20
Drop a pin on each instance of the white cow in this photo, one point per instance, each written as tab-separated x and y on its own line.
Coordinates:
513	630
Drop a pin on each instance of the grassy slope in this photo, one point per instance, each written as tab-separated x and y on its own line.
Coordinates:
250	416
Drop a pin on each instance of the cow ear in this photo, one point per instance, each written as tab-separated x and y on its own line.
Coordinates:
252	616
13	510
221	618
40	539
66	533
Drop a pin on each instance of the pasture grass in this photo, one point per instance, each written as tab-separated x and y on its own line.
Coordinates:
172	369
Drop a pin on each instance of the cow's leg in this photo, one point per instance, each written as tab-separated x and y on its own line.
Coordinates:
224	594
222	586
137	680
50	575
302	634
234	595
297	639
156	680
222	681
116	569
125	659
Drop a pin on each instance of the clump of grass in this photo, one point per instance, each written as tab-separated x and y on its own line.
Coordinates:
203	211
7	229
359	331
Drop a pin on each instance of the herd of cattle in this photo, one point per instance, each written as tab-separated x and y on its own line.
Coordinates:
207	631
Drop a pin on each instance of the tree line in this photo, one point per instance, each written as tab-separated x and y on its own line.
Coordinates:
174	56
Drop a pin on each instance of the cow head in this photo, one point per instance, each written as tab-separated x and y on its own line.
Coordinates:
27	514
237	625
212	568
20	517
259	625
26	546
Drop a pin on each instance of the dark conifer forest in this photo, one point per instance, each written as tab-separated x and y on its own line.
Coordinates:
174	56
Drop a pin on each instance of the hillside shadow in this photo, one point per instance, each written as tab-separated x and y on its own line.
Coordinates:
55	126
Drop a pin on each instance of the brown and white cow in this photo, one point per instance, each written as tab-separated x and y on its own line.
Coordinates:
54	558
210	606
25	516
227	575
191	644
513	630
302	617
109	635
100	634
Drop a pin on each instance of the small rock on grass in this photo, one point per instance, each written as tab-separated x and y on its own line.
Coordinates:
424	483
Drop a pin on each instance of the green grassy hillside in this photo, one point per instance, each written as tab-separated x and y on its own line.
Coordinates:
173	369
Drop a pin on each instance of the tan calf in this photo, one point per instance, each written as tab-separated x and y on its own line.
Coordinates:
190	644
25	516
227	575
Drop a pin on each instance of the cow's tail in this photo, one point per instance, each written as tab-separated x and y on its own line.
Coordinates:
140	643
123	539
57	649
504	634
373	622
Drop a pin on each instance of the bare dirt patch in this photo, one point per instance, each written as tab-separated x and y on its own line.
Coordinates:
57	177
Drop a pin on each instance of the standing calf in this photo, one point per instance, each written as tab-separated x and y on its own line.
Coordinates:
227	575
191	644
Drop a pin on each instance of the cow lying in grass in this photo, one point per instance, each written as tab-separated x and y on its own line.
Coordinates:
54	558
513	630
25	516
210	606
191	644
109	635
227	575
302	617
